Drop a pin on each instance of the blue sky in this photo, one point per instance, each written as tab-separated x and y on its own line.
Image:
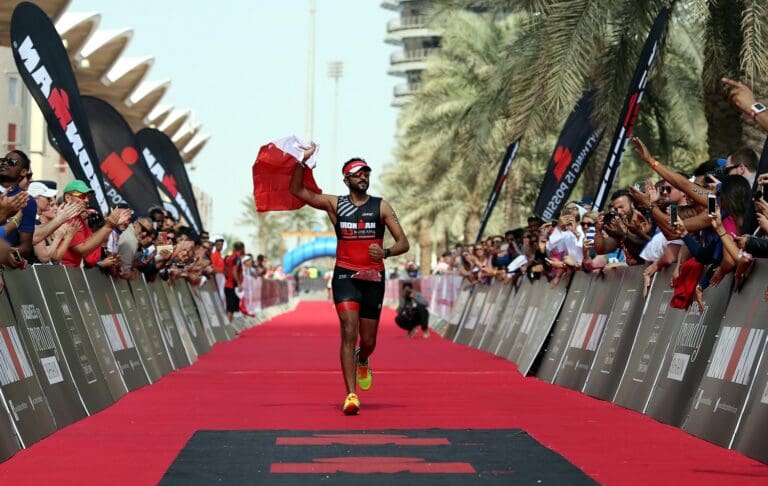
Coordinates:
241	67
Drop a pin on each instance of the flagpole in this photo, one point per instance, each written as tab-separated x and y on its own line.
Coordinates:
310	73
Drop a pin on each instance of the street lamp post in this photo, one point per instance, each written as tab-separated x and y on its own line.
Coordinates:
311	72
335	71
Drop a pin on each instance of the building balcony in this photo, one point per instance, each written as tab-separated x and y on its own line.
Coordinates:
405	89
407	27
390	5
410	60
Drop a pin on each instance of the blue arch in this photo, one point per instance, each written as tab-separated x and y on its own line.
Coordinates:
319	247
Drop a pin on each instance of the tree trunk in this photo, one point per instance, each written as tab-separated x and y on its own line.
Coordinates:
472	226
425	248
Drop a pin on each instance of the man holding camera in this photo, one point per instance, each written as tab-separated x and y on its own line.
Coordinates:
626	228
412	312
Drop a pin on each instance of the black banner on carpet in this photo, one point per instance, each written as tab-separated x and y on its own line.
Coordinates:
116	329
578	141
78	350
152	326
43	64
48	358
723	392
631	107
458	310
22	393
687	357
93	325
527	298
9	444
182	325
750	435
589	328
472	316
168	326
136	325
506	163
541	326
491	338
561	333
120	159
659	324
490	312
166	165
613	352
503	329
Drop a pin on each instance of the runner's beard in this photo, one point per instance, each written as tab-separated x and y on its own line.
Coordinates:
357	189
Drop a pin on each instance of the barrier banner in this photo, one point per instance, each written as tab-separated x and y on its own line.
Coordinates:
490	312
22	394
512	320
492	337
687	357
121	161
251	298
468	324
659	323
578	140
554	349
631	107
721	397
45	350
179	343
525	319
210	295
750	436
93	325
121	340
613	352
43	64
69	326
541	325
501	332
9	444
189	318
588	329
208	314
167	166
146	316
190	299
458	310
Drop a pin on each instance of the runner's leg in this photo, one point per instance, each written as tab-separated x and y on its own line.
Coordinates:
349	319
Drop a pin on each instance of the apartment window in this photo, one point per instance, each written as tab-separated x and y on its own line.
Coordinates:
13	91
11	136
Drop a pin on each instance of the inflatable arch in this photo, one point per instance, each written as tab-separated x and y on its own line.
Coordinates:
320	247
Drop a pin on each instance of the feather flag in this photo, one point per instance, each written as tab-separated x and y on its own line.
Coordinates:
272	175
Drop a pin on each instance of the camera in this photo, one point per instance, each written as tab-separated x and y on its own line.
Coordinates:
609	217
760	193
95	220
718	174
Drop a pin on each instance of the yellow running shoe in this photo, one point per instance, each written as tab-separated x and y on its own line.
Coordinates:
364	373
351	404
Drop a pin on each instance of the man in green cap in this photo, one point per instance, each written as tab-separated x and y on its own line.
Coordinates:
86	244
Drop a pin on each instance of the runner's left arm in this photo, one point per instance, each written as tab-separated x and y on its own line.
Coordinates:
401	245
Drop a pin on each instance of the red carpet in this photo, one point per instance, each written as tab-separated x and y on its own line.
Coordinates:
284	375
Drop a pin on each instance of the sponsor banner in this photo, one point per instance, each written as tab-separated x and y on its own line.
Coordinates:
120	160
167	167
208	316
458	310
588	329
492	338
180	345
613	352
490	313
45	349
147	317
472	316
687	357
93	326
578	141
513	317
499	333
542	326
9	445
506	163
631	107
556	345
524	319
215	307
44	66
20	390
57	296
658	325
116	329
721	397
180	298
750	434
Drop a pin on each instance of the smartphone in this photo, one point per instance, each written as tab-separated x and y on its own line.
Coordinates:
162	248
711	204
672	214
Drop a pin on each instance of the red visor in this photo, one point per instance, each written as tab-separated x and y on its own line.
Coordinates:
355	166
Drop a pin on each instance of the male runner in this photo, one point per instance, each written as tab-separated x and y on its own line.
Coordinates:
358	278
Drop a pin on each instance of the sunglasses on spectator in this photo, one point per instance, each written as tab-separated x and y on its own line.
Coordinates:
665	189
80	195
587	225
9	161
145	230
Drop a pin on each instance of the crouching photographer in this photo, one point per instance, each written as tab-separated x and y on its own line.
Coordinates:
412	312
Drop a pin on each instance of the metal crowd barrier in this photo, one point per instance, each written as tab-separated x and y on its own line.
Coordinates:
705	372
73	341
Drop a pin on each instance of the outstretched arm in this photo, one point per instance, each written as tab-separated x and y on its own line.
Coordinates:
393	224
324	202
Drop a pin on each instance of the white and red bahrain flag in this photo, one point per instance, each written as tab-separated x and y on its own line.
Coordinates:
272	174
